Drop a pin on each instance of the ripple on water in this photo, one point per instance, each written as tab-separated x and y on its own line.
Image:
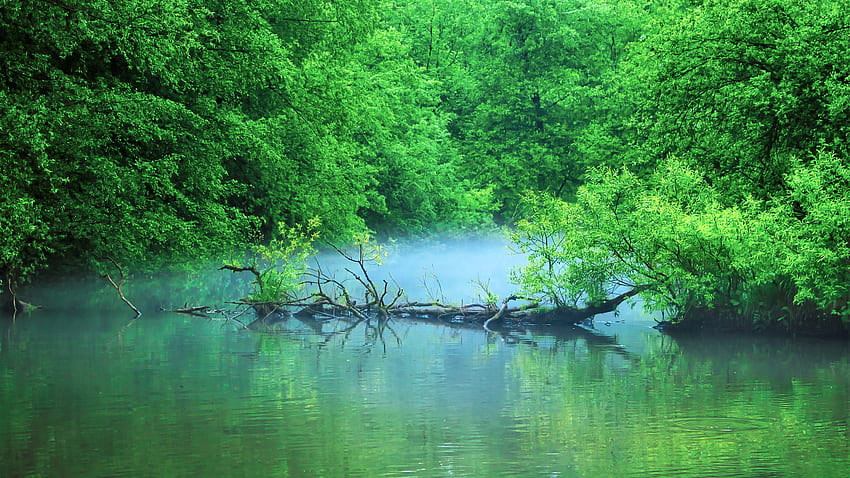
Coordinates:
709	425
720	465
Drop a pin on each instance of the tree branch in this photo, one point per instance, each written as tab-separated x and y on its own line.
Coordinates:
498	315
250	269
118	286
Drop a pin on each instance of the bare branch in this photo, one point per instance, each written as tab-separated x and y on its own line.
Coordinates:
498	315
118	286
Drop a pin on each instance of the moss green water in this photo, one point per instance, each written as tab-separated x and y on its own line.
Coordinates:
84	391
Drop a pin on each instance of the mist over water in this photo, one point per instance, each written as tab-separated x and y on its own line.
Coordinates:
448	270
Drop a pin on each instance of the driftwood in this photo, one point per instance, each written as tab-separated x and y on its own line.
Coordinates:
574	315
199	311
258	277
500	313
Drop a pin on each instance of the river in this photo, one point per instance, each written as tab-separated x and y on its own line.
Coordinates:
85	390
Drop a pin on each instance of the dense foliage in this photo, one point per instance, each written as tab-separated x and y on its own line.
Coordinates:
726	198
695	149
751	265
147	131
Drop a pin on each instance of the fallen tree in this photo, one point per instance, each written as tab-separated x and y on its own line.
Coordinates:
285	286
359	297
487	315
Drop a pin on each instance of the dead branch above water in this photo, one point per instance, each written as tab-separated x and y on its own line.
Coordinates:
119	286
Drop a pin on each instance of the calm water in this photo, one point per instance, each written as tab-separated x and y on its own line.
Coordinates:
85	391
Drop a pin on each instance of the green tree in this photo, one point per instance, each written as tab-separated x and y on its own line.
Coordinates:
400	133
702	263
521	83
147	132
740	88
110	162
742	227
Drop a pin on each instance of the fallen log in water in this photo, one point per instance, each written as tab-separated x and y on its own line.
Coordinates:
486	314
329	298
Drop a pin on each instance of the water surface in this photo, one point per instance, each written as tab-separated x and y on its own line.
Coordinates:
87	391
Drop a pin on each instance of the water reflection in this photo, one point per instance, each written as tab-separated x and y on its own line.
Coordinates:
87	392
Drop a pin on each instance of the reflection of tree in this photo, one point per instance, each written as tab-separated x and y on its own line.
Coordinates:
689	403
342	330
779	361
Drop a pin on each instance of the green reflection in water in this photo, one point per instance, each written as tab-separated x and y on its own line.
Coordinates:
707	407
87	392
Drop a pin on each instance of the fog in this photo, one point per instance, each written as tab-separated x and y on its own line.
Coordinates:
448	270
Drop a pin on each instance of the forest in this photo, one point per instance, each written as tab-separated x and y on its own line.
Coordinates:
692	153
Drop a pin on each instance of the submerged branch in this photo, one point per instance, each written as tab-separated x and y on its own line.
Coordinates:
498	315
